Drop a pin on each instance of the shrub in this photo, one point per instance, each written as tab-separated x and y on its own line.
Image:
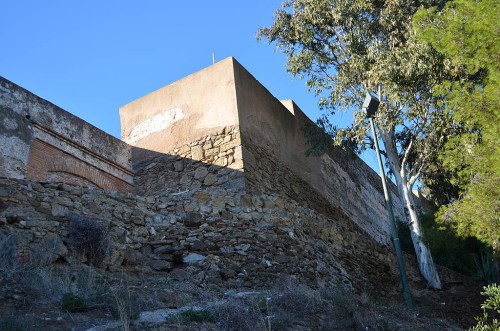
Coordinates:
237	316
126	305
73	302
491	305
196	315
466	255
89	238
297	300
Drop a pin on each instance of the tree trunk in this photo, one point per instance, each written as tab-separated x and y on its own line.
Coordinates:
424	257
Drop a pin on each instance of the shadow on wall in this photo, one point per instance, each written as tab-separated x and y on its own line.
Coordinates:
214	161
221	162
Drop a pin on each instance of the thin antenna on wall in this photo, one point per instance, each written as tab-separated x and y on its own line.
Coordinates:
213	58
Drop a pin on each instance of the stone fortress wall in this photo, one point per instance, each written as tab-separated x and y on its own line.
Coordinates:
263	151
211	237
210	184
40	141
269	147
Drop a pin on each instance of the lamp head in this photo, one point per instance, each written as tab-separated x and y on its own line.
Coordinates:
370	105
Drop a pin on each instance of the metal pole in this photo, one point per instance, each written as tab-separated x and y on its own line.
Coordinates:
394	232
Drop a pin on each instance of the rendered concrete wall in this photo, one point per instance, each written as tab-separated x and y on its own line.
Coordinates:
31	126
184	111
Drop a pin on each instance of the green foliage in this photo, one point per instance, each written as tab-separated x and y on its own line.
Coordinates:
468	255
467	31
73	302
345	48
196	316
491	310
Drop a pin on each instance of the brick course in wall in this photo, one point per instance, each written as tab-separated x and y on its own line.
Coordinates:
49	164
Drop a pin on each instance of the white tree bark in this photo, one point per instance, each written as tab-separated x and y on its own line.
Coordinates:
424	257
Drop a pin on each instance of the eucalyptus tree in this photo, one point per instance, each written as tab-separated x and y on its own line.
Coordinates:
344	48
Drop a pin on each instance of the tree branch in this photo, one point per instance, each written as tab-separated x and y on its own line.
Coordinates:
407	152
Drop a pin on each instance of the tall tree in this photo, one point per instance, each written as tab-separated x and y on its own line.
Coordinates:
467	32
347	47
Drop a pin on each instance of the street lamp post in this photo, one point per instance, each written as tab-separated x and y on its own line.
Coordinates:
370	105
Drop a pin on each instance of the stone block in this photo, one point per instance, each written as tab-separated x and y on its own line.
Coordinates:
179	274
193	258
160	265
199	246
179	165
212	152
53	245
202	196
221	162
231	144
200	172
210	179
197	153
58	210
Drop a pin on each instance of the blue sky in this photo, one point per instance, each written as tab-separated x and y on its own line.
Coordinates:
91	57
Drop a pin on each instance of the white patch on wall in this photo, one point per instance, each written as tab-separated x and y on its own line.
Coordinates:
157	123
14	157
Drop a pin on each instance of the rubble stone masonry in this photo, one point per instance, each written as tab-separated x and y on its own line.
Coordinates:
213	160
212	237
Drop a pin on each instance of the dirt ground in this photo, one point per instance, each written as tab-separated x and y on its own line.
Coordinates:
32	300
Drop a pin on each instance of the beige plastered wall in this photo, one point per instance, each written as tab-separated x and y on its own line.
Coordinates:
182	112
342	178
226	94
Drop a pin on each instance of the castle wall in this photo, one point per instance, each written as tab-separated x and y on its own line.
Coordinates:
186	123
182	112
273	146
272	134
209	237
225	190
43	142
213	161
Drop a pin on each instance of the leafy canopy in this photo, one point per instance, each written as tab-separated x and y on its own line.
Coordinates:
467	31
491	321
